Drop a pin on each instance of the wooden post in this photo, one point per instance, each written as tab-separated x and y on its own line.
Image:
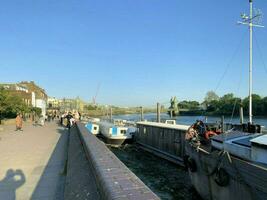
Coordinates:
110	114
171	113
241	114
158	112
222	124
142	113
107	115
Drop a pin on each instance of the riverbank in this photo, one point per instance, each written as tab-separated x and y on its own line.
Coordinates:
211	114
167	180
118	111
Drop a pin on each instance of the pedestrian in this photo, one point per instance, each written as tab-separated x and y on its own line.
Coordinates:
69	118
77	116
19	122
42	120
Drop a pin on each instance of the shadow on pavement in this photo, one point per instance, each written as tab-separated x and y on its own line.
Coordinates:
10	183
52	181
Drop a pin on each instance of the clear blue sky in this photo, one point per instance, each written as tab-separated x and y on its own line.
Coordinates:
140	51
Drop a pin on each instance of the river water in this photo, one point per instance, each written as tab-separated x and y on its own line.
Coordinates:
189	120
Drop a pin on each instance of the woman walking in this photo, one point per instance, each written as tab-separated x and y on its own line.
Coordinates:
19	122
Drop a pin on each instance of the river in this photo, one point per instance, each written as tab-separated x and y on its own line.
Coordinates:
188	120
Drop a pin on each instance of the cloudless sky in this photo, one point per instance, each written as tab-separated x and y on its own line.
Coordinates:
139	51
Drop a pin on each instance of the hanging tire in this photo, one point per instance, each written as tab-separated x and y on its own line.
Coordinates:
222	177
191	163
185	161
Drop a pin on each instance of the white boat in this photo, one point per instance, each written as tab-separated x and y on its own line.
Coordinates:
92	128
116	134
229	164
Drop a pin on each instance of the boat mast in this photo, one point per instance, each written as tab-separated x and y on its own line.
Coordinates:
250	60
249	20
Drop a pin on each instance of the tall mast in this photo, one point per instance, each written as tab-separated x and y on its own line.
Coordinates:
250	59
250	21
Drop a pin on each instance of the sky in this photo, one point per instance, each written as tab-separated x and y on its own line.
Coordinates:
137	52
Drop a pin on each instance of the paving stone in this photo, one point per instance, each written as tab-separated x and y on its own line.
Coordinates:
32	161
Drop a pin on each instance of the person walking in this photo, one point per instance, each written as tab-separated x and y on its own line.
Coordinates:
77	116
69	118
19	122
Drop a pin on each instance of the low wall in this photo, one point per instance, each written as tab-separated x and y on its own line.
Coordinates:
12	121
164	140
8	121
114	180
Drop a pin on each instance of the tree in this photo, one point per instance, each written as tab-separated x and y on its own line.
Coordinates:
228	103
213	106
10	104
191	105
264	105
257	105
37	111
210	96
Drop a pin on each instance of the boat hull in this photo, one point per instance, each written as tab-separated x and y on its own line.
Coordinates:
117	142
115	135
240	179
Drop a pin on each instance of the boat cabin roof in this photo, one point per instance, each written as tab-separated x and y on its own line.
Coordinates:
261	140
228	136
163	125
243	142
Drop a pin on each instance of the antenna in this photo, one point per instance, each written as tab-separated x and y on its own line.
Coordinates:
251	20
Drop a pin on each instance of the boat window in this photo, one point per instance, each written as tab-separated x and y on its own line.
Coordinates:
95	128
123	131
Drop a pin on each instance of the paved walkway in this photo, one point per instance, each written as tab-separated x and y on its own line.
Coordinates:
32	162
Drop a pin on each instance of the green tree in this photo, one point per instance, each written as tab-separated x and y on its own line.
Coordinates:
257	105
229	104
37	111
210	96
264	106
213	106
191	105
11	104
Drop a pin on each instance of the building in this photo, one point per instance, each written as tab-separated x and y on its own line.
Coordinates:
65	104
53	102
31	94
39	96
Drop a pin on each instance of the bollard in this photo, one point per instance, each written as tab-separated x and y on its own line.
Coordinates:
222	123
142	113
158	112
241	114
110	114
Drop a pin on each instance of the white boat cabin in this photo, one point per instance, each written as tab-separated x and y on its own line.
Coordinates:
251	147
92	128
